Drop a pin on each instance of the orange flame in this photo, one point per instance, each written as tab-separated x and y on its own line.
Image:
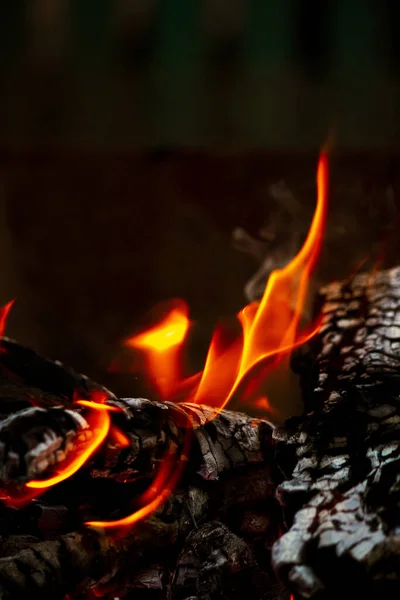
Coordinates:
269	331
100	430
162	487
270	327
162	345
119	438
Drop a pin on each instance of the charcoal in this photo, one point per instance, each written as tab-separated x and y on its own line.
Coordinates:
47	548
341	459
309	509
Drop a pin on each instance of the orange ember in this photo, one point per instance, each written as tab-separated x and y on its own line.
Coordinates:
119	438
99	428
162	487
162	346
270	326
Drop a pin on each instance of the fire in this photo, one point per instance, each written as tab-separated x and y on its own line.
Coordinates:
270	326
119	438
270	332
4	312
99	427
162	487
162	345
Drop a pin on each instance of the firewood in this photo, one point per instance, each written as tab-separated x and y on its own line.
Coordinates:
342	458
48	549
333	472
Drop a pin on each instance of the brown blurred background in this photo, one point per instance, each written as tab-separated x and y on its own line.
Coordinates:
135	135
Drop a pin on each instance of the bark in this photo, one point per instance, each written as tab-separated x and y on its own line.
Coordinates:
229	479
334	471
342	458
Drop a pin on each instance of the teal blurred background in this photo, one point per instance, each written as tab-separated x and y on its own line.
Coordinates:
106	74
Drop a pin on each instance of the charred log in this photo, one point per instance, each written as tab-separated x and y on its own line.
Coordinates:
342	458
336	471
27	379
47	549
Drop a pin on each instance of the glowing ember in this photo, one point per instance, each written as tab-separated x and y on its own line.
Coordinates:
269	331
162	345
104	407
119	438
100	428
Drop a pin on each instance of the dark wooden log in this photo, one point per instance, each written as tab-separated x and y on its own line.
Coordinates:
342	458
336	471
27	379
229	480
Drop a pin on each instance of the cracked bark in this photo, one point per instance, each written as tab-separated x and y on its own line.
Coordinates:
342	458
215	535
46	549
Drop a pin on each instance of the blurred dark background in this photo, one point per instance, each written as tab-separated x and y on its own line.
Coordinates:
135	135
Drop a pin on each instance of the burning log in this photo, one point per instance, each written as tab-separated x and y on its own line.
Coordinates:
342	458
61	542
212	535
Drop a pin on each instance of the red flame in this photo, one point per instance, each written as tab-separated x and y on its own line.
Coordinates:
4	311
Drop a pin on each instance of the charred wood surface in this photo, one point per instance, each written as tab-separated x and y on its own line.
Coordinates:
212	535
342	459
334	473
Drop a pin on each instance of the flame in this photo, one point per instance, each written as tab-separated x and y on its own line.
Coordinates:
119	438
162	346
97	406
270	332
4	312
270	326
162	487
100	429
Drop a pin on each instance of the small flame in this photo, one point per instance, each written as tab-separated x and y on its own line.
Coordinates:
119	438
162	346
4	312
162	487
100	430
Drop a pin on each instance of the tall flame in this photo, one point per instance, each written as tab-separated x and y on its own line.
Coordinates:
270	327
